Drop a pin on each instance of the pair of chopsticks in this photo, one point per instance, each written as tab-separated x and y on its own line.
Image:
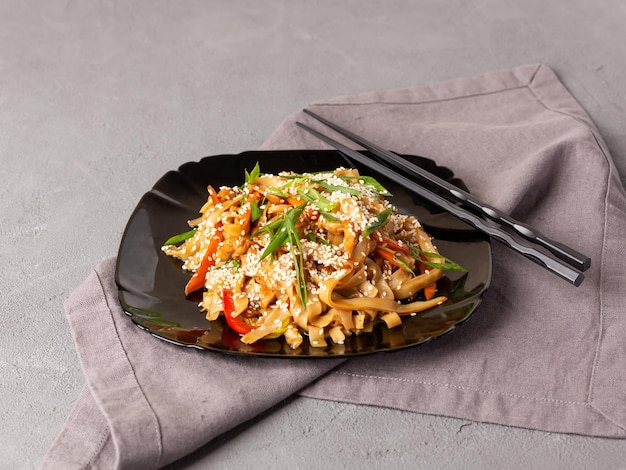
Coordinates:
562	260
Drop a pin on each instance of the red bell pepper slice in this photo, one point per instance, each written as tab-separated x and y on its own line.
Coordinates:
236	323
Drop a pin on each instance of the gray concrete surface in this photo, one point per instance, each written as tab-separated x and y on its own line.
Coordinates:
99	98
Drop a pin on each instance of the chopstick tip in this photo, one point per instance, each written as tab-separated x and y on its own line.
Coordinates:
579	279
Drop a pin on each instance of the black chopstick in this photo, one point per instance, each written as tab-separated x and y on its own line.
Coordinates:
516	243
564	253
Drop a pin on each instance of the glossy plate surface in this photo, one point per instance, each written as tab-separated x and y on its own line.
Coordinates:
151	285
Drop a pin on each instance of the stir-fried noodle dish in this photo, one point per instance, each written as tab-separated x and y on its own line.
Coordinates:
318	255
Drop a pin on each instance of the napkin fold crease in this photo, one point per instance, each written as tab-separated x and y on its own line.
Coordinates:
538	353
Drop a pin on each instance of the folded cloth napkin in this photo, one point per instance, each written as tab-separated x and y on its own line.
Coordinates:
539	353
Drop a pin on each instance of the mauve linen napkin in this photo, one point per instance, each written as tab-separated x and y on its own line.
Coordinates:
539	353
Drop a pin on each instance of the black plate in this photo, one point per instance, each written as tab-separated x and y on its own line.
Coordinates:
151	285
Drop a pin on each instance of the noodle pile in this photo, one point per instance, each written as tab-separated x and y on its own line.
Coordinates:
323	255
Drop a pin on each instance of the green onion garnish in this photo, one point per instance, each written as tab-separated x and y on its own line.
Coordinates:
381	221
449	265
255	211
369	181
181	237
254	174
283	230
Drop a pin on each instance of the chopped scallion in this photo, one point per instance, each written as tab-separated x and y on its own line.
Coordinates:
255	211
254	174
381	221
449	265
181	237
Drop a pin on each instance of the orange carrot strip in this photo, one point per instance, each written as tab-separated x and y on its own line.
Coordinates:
388	242
295	201
199	277
247	215
430	289
387	255
213	194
